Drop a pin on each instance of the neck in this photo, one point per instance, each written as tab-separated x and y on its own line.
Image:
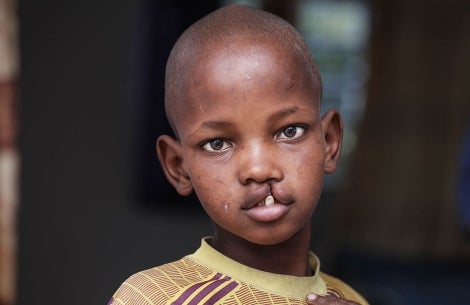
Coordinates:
289	257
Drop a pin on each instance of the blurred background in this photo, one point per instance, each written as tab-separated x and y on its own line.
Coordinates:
83	202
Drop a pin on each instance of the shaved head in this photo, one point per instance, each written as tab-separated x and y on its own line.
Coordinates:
225	31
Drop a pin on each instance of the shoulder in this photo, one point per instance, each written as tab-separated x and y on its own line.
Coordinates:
144	286
159	284
341	289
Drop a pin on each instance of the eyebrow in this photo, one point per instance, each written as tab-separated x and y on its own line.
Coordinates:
284	112
212	125
273	117
216	124
287	112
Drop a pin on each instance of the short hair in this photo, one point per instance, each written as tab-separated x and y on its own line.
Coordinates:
227	27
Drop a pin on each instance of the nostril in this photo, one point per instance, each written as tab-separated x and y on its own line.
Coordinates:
261	175
256	165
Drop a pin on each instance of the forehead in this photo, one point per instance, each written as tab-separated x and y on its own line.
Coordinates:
247	63
234	70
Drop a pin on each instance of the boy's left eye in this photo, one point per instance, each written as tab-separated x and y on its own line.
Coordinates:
291	132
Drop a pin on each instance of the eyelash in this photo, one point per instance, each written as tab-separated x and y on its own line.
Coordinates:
208	145
281	135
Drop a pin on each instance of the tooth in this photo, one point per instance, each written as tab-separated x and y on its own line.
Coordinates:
269	201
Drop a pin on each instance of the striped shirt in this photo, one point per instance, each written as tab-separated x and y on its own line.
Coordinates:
209	277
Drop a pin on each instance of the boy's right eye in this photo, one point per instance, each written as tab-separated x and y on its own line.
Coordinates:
215	145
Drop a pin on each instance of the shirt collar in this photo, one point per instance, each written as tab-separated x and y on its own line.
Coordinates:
293	286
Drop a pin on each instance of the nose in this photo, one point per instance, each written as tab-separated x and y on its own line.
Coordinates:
259	164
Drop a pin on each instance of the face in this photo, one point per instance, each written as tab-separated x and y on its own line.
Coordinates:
252	144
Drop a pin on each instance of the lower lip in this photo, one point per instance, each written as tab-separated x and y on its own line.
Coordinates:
267	213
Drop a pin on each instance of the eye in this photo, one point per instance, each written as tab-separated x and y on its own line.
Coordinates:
215	145
291	132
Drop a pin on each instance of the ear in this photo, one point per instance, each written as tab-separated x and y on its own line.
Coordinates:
333	130
170	156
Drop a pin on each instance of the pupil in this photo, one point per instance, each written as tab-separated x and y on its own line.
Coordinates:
216	144
290	131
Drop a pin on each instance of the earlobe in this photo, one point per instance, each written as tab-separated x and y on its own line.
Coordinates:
171	159
333	130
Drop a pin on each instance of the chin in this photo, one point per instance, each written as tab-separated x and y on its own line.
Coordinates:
269	240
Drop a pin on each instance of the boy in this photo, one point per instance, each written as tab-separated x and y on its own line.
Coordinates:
243	98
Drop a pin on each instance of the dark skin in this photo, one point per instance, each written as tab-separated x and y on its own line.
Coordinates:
313	299
291	256
249	127
248	112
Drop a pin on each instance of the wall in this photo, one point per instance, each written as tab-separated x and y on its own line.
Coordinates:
81	230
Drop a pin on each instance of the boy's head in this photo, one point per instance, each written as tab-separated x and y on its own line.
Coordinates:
242	96
223	32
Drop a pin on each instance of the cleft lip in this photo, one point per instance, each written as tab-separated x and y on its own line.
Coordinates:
258	196
281	196
255	196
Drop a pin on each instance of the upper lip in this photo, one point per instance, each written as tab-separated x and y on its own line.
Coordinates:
255	196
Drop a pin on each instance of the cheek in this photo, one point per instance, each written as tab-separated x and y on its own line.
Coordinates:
211	185
310	162
309	171
209	176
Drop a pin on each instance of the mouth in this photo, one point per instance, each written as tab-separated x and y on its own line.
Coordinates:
266	207
258	197
266	197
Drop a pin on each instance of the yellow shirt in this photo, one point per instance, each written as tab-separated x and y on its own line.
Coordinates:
209	277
